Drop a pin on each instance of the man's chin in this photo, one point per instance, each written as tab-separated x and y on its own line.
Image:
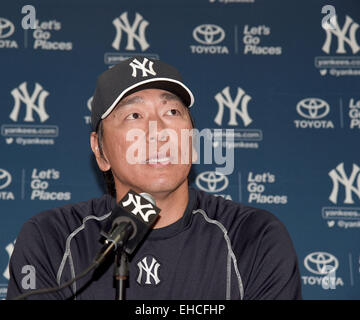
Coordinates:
157	188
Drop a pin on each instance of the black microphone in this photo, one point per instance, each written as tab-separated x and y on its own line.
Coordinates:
132	218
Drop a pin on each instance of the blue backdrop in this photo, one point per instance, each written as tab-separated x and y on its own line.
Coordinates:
284	75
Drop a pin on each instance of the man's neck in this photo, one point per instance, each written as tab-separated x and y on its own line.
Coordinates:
172	206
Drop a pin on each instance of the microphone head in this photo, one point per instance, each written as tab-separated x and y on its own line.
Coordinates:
140	211
148	197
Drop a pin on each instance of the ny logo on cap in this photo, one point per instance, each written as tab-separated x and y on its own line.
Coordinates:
136	64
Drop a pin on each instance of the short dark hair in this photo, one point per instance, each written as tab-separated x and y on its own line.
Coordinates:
108	175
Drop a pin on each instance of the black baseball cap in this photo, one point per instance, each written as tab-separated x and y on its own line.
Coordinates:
131	75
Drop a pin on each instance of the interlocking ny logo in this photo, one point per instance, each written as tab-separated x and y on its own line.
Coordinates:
21	94
350	27
223	98
135	200
150	271
122	24
136	64
337	176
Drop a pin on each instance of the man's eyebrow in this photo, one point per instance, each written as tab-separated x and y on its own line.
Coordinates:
131	100
138	99
170	96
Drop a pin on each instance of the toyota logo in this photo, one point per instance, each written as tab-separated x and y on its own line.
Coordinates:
313	108
208	34
321	263
211	181
5	179
6	28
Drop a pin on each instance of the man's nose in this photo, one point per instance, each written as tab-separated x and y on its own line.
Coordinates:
157	131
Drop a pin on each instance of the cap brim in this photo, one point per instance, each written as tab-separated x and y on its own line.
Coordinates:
168	84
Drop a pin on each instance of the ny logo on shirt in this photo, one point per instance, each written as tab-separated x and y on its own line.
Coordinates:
148	271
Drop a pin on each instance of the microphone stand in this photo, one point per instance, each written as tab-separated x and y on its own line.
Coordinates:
121	273
118	237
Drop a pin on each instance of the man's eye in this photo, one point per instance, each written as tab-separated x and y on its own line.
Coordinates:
133	116
173	112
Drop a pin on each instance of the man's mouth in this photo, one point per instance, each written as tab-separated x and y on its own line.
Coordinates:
160	161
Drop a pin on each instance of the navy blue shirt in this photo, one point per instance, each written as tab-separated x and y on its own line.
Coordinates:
218	250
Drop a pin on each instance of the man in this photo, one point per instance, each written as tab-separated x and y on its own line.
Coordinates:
201	247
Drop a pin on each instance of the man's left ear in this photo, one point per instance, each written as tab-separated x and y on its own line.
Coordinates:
100	158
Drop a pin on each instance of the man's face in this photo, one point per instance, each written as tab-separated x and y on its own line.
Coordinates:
142	143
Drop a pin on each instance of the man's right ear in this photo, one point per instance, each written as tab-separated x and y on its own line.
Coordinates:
100	158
